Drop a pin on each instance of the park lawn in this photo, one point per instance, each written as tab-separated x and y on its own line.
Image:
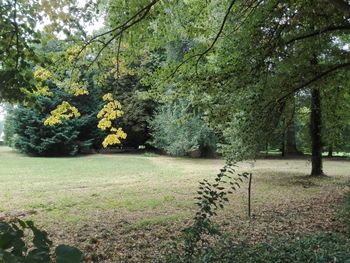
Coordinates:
128	206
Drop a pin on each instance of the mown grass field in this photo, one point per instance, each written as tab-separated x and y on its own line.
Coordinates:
127	206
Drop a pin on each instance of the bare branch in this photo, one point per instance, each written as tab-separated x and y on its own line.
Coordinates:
315	79
144	11
201	55
118	55
223	23
345	27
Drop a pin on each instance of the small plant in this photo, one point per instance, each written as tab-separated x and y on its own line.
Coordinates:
13	248
211	197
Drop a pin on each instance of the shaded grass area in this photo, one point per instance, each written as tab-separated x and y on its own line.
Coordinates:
127	207
320	247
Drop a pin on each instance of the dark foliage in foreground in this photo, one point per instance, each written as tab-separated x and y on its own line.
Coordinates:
14	249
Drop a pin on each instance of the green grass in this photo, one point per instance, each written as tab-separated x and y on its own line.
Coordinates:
150	154
142	197
56	186
78	187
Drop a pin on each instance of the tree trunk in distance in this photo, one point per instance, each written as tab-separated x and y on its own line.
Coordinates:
330	151
283	143
315	132
283	148
291	145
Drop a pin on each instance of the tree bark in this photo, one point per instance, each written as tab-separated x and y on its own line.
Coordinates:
315	132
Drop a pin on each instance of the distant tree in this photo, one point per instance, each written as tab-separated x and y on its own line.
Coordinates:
1	127
248	60
336	119
137	111
26	132
178	130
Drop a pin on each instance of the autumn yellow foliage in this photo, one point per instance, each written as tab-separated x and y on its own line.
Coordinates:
42	74
64	111
110	112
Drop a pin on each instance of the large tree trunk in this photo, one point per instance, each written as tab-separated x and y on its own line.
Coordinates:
315	132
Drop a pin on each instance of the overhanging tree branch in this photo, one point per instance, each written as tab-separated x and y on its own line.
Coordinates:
315	79
201	55
329	29
223	23
136	18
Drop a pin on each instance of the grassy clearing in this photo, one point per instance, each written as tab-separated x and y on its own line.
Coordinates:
135	201
73	189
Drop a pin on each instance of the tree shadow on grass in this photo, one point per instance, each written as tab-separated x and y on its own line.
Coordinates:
287	179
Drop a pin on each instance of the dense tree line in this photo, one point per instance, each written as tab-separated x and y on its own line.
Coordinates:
246	91
240	77
25	129
250	95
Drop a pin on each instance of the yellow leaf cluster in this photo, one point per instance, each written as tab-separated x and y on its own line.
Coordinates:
114	138
43	91
104	124
72	53
75	88
120	68
42	74
63	111
78	89
110	112
107	97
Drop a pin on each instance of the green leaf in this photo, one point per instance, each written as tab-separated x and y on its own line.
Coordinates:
68	254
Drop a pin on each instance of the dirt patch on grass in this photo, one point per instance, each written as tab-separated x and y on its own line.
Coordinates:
9	216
